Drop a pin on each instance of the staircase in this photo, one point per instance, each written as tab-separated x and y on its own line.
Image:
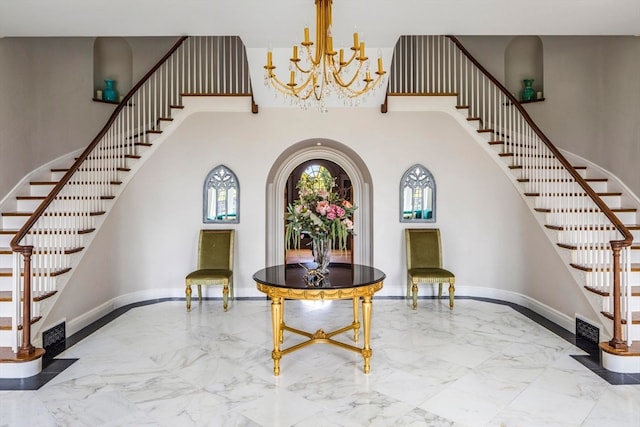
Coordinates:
588	218
58	211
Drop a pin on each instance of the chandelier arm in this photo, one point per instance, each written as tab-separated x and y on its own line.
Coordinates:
337	77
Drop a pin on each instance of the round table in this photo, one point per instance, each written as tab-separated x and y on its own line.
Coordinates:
344	281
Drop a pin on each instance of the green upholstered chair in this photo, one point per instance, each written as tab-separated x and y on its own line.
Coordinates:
215	264
424	262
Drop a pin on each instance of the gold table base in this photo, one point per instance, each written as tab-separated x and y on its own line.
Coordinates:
279	294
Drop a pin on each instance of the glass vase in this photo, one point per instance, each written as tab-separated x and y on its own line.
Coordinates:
321	249
528	94
110	93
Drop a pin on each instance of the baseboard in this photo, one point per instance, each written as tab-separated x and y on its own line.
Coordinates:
562	320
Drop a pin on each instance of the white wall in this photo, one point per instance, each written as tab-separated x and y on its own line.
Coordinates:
148	242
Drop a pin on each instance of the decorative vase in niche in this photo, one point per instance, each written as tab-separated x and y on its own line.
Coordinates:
110	93
528	94
321	249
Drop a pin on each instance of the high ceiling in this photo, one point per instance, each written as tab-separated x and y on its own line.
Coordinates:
280	22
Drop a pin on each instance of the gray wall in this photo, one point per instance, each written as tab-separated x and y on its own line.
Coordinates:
591	95
46	109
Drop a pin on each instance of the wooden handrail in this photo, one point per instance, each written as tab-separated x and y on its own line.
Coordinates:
616	245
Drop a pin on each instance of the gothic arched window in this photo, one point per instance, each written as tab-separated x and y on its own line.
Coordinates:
221	196
417	195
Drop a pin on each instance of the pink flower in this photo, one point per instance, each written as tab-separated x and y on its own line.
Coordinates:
347	204
323	194
339	211
322	207
299	209
348	223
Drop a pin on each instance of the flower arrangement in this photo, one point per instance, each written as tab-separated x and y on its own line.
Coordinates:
322	214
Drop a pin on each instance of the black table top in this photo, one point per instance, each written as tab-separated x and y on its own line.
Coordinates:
339	276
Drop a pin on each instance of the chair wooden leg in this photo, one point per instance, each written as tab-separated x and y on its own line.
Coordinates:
439	290
414	291
187	291
225	297
452	290
200	293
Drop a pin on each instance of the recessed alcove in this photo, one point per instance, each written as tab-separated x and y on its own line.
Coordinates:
523	59
112	59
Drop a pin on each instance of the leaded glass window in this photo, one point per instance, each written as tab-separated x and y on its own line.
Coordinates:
221	196
417	195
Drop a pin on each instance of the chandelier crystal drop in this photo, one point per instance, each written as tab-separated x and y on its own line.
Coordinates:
316	74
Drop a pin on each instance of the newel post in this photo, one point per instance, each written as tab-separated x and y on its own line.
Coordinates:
616	341
26	349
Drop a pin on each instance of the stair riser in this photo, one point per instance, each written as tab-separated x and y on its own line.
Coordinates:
6	309
6	283
565	202
634	279
57	176
40	190
598	187
28	205
5	338
534	172
593	237
5	240
13	222
600	255
586	218
6	261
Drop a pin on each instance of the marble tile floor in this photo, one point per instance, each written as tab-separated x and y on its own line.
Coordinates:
482	364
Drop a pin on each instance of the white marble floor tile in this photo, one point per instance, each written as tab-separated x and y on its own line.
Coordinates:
481	364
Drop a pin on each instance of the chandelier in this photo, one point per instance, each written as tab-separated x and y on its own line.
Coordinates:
314	75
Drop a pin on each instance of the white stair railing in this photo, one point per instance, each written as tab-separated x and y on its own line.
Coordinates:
197	65
440	65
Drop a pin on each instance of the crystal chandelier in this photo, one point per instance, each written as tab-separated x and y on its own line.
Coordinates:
316	74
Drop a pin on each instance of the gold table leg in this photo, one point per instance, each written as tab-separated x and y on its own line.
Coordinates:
356	319
366	321
276	320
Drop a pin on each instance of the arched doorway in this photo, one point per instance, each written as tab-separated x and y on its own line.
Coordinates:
333	178
360	179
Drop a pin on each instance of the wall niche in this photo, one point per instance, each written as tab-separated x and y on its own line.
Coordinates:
112	60
523	59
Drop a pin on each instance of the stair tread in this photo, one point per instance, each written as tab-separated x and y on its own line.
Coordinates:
548	210
632	351
633	247
6	296
52	214
558	180
635	291
634	267
8	272
8	356
635	317
611	193
5	323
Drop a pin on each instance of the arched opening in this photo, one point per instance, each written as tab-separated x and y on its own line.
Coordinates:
523	59
354	171
332	178
113	60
